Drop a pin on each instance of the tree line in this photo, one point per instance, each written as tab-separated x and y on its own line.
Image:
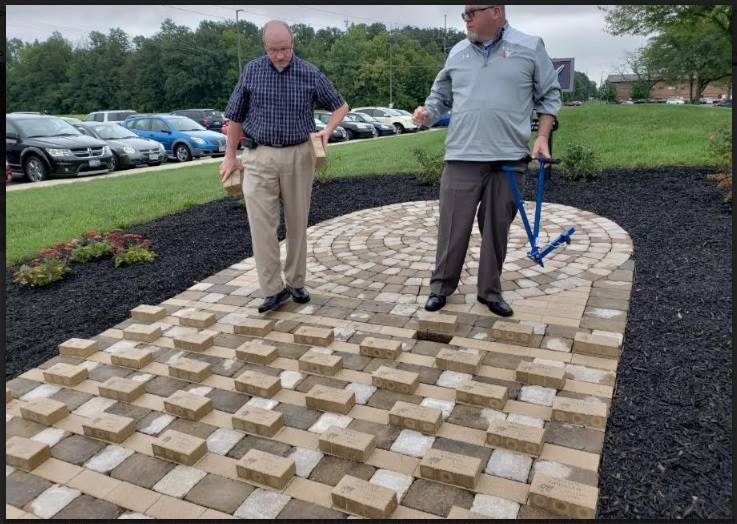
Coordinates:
180	68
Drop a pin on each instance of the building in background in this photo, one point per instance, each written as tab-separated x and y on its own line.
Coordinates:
661	90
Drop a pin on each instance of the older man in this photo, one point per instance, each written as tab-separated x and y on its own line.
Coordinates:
492	82
273	103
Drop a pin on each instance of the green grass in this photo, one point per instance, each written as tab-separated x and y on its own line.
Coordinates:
623	136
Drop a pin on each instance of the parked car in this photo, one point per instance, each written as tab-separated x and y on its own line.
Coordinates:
128	148
675	101
207	118
381	129
181	137
71	120
39	147
443	121
338	135
353	127
117	116
28	113
574	103
408	114
727	102
224	130
402	123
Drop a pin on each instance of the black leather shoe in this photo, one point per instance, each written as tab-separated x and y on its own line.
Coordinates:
434	302
299	294
274	301
500	307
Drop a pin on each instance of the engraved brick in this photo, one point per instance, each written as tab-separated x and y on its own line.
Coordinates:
360	497
142	332
258	384
106	426
380	348
135	358
194	342
418	418
187	405
258	421
78	347
65	374
25	454
347	443
537	374
320	363
450	468
146	313
253	327
266	469
255	353
120	388
516	437
179	447
395	380
437	322
512	332
324	398
591	413
597	345
189	369
314	336
44	411
482	394
460	361
563	497
196	319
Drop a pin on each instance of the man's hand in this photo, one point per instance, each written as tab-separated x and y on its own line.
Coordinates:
420	116
324	136
540	148
228	165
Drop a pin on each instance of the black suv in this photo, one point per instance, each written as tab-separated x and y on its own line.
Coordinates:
39	147
207	118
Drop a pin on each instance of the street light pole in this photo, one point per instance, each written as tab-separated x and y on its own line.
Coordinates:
238	30
391	73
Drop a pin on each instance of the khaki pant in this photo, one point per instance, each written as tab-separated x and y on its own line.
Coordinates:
463	186
275	174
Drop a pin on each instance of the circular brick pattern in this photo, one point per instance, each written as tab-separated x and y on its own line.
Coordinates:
388	253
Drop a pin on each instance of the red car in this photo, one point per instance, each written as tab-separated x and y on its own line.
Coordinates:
224	130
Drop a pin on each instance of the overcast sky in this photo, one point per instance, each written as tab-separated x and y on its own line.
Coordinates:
568	30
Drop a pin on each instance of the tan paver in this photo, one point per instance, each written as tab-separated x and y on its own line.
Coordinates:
314	336
179	447
362	498
258	421
120	388
106	426
253	327
347	443
24	453
395	380
324	398
563	497
45	411
142	332
451	468
148	313
418	418
65	374
78	347
254	353
258	384
265	468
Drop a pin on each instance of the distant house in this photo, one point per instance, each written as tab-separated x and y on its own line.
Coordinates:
662	90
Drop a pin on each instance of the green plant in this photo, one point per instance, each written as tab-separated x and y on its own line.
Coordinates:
580	162
41	272
431	165
92	251
328	171
720	148
133	254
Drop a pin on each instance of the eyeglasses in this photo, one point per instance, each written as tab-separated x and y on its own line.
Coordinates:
471	13
278	50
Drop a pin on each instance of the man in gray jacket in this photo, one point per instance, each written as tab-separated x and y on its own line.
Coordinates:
492	82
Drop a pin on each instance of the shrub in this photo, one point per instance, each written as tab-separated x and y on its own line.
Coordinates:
92	251
431	165
720	149
41	272
133	254
580	162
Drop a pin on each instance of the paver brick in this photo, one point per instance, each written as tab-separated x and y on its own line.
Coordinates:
253	327
314	336
109	427
482	394
380	348
147	313
21	488
597	345
190	369
255	353
360	497
65	374
87	507
589	413
79	347
516	437
44	411
25	454
512	332
347	443
395	380
537	374
179	447
220	493
135	358
120	388
266	469
460	361
320	363
77	449
451	468
258	384
418	418
195	342
563	497
142	332
188	405
258	421
196	319
324	398
437	322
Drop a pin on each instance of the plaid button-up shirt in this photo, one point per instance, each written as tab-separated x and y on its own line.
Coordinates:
276	107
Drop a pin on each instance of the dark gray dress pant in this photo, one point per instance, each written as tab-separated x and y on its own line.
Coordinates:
464	187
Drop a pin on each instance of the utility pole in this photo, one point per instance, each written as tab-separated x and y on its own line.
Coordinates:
391	73
238	30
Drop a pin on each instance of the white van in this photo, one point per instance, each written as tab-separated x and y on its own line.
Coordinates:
115	116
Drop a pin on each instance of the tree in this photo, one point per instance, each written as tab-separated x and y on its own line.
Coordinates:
583	88
647	19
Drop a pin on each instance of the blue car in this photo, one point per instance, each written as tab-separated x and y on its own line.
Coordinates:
182	137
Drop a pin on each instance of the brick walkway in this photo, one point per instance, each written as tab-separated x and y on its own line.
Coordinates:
359	402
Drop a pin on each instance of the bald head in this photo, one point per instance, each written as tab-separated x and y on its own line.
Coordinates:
276	29
278	42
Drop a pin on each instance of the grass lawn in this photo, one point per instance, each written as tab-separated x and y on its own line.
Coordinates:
646	135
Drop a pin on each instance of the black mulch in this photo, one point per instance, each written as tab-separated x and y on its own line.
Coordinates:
668	444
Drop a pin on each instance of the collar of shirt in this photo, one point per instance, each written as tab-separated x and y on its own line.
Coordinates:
286	67
491	43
